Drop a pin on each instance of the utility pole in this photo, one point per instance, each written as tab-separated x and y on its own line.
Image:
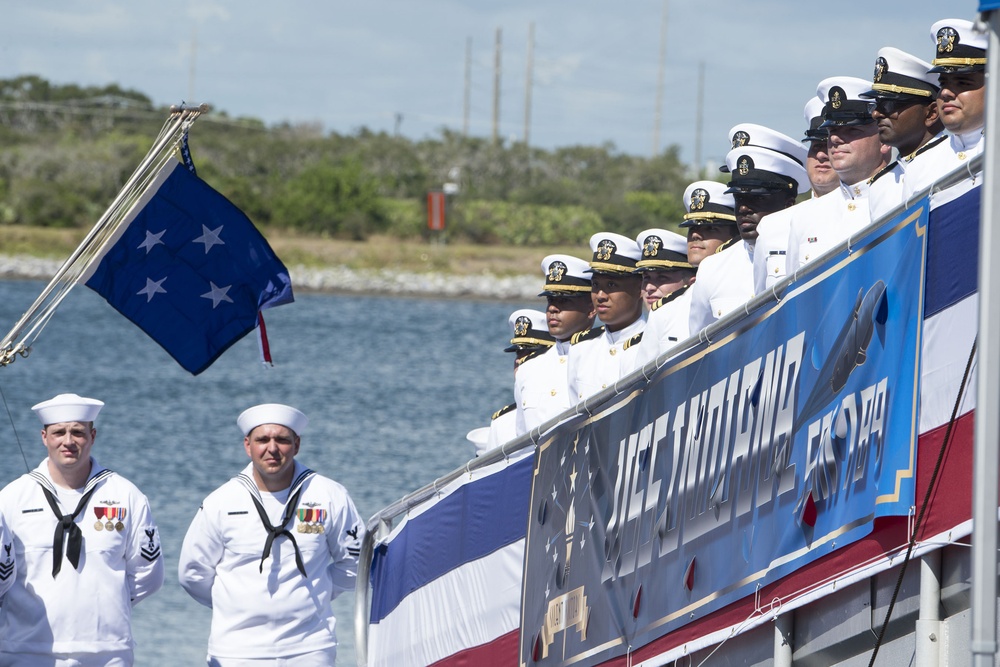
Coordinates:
194	54
700	119
660	83
466	102
496	89
527	82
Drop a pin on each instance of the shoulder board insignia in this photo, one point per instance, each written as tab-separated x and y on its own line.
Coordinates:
531	355
581	336
502	411
883	171
664	300
728	244
634	340
930	144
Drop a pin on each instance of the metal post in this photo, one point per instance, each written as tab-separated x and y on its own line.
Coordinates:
987	429
361	589
784	626
928	628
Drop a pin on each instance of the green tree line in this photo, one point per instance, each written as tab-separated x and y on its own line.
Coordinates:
66	150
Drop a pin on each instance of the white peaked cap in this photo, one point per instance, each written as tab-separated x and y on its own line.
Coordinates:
851	85
536	317
272	413
813	108
669	240
67	408
479	437
751	134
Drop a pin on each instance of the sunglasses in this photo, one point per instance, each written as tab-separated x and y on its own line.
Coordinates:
889	107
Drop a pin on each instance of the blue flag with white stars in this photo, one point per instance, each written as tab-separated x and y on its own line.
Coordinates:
190	269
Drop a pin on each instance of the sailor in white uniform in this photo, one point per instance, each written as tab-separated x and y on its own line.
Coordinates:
772	232
960	63
600	357
710	219
857	154
763	181
959	67
270	549
822	177
667	277
905	93
86	550
530	339
541	384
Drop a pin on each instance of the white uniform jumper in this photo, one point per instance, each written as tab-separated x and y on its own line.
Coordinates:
666	326
84	610
276	612
929	164
725	282
599	362
541	388
832	219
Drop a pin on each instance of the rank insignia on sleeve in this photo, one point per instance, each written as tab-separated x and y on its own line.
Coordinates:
7	566
150	550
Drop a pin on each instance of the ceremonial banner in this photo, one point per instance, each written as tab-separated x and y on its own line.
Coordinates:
190	269
740	461
446	583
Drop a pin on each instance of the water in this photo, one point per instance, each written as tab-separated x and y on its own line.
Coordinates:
391	387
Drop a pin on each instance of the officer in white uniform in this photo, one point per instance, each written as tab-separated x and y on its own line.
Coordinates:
905	93
530	339
763	181
541	384
857	154
86	550
710	219
667	275
600	357
270	549
822	177
959	65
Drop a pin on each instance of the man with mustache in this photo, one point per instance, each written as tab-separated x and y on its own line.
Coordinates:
270	549
906	113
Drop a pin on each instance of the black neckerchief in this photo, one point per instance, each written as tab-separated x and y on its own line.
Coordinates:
295	491
67	522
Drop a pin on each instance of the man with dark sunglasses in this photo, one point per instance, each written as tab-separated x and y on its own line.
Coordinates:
906	114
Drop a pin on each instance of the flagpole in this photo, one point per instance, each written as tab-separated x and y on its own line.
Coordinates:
983	645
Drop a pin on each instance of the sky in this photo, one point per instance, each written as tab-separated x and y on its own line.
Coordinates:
400	65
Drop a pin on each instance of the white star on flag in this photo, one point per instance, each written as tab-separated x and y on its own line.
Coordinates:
151	240
152	287
217	294
210	237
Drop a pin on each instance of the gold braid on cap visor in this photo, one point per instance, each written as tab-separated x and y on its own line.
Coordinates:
891	88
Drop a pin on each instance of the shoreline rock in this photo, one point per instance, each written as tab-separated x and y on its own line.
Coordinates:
339	279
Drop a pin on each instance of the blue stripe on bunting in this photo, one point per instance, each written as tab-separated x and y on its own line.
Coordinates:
952	252
473	522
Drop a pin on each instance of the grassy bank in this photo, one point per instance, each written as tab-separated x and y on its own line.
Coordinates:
316	252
